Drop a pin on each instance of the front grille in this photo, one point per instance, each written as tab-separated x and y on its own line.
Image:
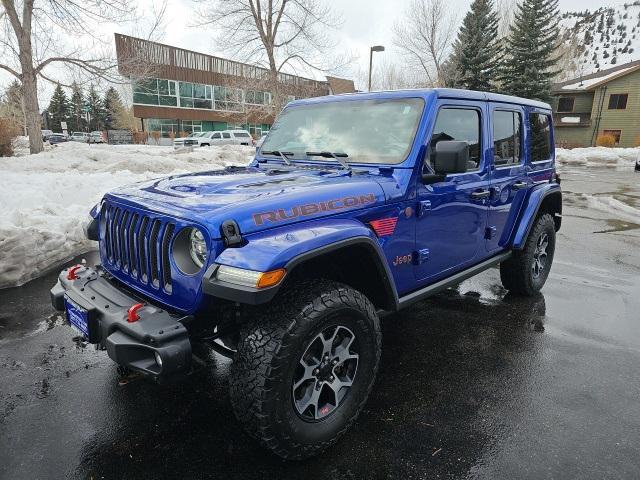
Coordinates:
138	245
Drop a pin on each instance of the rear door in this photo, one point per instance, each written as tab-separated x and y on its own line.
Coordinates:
452	214
508	170
226	138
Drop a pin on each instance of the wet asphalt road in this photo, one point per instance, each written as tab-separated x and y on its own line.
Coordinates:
473	383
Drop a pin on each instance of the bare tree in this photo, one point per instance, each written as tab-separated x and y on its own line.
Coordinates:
37	35
292	35
425	35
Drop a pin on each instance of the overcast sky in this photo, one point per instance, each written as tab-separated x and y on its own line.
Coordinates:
365	23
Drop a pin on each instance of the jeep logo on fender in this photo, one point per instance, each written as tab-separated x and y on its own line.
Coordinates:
312	208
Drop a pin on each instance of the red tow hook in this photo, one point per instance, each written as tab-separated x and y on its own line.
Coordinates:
132	313
71	274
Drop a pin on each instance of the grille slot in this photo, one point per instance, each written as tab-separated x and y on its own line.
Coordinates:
138	245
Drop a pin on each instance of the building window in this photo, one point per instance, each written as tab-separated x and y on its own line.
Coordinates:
164	126
565	104
618	101
191	126
195	95
507	137
540	137
614	133
227	98
458	124
254	97
153	91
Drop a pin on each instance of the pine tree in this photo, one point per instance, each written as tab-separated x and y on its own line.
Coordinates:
58	108
112	107
477	51
529	66
76	109
95	108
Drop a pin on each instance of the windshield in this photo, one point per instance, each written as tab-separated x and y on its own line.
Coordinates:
368	131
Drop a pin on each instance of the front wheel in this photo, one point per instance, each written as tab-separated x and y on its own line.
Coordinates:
304	368
527	270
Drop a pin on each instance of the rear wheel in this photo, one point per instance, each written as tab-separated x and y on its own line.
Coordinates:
304	368
527	270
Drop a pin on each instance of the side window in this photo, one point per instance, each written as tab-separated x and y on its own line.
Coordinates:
507	137
540	137
216	135
226	135
459	124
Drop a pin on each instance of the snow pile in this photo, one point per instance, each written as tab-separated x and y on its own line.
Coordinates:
598	156
46	197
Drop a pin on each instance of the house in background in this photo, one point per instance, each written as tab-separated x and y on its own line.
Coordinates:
606	102
178	91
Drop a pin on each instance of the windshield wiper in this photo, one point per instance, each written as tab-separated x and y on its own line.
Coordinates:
282	155
338	157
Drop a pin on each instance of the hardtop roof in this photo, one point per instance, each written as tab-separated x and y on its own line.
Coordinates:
453	93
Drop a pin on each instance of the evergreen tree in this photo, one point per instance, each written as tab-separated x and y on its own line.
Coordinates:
529	67
76	112
58	109
112	107
11	104
477	51
95	108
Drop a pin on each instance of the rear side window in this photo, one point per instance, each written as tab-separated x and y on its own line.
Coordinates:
540	136
241	135
507	137
459	124
226	135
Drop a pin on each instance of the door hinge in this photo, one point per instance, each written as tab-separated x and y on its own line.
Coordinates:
490	232
421	256
425	206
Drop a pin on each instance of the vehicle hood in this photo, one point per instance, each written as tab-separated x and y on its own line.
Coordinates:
256	198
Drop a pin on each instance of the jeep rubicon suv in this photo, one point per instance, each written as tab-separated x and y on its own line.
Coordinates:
353	207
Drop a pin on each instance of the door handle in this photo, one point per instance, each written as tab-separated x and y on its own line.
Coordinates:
519	185
480	194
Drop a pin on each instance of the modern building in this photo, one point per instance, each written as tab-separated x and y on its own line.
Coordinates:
606	102
177	90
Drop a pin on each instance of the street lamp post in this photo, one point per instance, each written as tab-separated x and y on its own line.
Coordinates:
375	48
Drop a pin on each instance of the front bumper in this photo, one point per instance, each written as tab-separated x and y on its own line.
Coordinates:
137	345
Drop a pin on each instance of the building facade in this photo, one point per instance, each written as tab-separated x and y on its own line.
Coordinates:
606	102
177	91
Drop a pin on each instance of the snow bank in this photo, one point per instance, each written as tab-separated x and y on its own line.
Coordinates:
598	156
46	197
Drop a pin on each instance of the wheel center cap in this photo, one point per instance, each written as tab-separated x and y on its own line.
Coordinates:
325	371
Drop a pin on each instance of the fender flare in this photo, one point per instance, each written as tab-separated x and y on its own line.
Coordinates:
530	210
289	246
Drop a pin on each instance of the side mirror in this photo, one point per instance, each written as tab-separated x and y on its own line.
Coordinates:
451	156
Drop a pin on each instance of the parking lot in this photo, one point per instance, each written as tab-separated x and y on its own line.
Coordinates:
473	383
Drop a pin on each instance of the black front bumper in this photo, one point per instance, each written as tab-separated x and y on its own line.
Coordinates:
137	345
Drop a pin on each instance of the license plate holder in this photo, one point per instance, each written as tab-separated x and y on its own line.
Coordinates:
77	316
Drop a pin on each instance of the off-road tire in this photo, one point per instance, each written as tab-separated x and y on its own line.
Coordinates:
270	347
516	273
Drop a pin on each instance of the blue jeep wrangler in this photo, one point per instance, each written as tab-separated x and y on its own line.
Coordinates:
354	206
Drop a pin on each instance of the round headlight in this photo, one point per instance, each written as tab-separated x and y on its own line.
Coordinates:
198	248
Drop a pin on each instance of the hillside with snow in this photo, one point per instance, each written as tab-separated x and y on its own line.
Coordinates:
600	39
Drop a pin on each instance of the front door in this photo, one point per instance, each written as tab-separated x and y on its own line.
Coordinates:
452	214
508	174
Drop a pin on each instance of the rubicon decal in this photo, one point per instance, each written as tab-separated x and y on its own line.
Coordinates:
307	209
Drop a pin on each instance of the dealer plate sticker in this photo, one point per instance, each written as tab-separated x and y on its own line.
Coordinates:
77	316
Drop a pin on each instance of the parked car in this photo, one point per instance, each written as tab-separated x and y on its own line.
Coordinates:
57	138
188	141
46	134
226	137
79	137
287	270
95	137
